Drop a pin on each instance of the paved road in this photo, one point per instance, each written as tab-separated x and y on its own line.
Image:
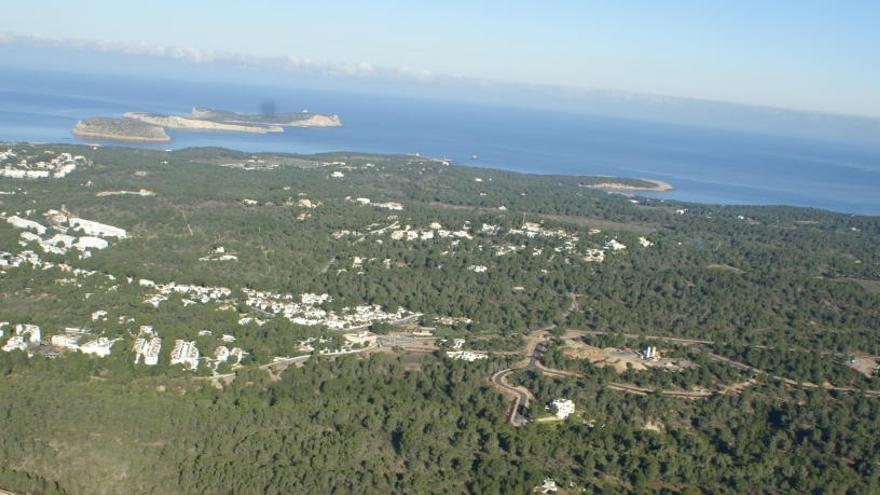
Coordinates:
521	397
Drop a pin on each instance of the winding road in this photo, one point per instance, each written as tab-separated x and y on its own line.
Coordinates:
521	395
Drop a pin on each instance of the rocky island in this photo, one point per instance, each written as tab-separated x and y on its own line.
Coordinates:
150	127
121	129
293	119
186	123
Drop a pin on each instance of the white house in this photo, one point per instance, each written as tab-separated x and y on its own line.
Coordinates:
185	352
614	245
547	486
65	341
99	347
32	332
16	342
563	407
89	242
238	353
469	356
96	229
148	349
594	255
21	223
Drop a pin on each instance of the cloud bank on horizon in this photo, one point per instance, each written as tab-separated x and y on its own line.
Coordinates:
293	63
202	56
811	56
187	62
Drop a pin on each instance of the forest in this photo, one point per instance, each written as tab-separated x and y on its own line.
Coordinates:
771	307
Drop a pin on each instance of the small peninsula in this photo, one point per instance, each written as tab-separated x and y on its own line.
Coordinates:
640	184
150	127
120	129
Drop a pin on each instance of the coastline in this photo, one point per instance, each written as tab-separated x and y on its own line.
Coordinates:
683	194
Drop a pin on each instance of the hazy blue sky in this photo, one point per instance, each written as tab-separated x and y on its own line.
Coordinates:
797	54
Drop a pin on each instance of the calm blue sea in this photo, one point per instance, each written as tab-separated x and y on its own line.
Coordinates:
704	165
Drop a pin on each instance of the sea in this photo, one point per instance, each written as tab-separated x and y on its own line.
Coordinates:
703	165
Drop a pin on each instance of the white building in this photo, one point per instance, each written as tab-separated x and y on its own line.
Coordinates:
547	486
32	332
16	342
614	245
238	353
97	229
65	341
185	352
99	347
21	223
221	354
563	407
148	349
314	299
390	205
89	242
469	356
594	255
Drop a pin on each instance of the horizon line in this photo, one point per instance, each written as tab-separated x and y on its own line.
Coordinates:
366	70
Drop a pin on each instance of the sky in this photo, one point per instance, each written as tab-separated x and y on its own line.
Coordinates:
808	55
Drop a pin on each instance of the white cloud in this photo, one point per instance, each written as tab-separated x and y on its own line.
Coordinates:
202	56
